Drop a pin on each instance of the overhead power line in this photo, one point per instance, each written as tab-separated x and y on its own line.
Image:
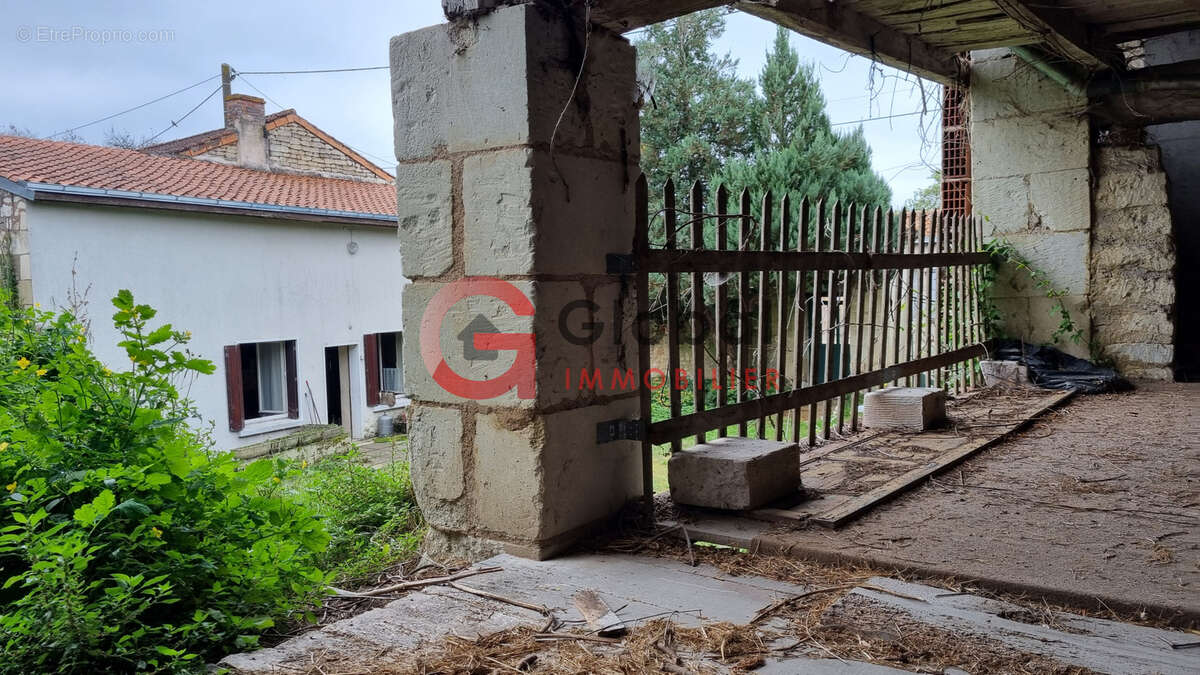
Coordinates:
175	123
136	107
310	72
279	105
876	119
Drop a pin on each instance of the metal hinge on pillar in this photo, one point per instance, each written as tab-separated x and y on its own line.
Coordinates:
620	430
620	263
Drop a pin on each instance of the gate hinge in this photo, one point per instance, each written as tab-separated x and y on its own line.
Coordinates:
620	263
619	430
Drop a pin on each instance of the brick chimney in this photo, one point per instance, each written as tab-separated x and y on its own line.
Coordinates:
247	116
241	105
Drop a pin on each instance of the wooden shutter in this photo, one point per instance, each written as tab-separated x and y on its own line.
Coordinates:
293	382
233	387
371	358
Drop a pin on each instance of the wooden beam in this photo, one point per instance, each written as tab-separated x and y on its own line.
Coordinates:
1060	30
622	16
1156	95
829	22
671	260
688	425
835	24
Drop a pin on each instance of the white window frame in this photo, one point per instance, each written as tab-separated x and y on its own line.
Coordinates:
281	348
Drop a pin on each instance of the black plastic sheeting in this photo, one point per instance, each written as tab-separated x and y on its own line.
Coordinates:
1051	368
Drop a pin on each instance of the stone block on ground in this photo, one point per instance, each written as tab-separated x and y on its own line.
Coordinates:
734	474
913	408
1004	374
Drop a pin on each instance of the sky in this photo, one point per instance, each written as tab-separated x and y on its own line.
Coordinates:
70	63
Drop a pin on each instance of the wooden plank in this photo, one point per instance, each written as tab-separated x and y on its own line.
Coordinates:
720	327
802	317
600	617
909	299
698	324
670	213
927	288
817	320
831	289
901	227
876	231
796	261
890	489
680	427
887	291
641	245
744	227
940	319
844	313
764	286
860	328
785	226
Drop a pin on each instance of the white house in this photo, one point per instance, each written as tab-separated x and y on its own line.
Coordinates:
288	275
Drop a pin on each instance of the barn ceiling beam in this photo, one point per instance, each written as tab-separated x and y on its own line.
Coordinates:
1061	31
829	22
835	24
1156	95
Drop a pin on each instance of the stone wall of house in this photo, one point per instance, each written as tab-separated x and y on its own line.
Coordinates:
14	247
225	154
1030	164
1133	262
293	148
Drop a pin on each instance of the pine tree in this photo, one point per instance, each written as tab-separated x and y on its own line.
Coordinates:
797	150
700	114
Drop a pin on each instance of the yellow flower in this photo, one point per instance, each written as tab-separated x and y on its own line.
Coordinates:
156	532
276	478
108	371
12	487
23	363
3	446
303	464
41	371
37	305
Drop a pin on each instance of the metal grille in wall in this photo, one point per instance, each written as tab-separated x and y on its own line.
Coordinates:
956	153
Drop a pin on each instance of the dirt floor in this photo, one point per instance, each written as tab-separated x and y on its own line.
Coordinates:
1097	503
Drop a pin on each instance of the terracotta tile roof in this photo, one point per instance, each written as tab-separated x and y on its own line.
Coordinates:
29	160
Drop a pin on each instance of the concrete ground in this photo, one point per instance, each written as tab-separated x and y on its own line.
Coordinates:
695	618
1096	505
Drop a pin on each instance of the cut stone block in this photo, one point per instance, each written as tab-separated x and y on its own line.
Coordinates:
1004	374
914	408
734	474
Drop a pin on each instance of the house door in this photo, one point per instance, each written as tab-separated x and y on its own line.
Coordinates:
337	387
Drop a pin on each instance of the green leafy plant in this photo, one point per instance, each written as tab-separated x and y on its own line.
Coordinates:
1004	253
125	544
370	513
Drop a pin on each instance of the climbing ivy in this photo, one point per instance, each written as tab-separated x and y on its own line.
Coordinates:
1002	253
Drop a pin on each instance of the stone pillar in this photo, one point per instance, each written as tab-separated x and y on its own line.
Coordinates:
516	166
1133	262
1030	154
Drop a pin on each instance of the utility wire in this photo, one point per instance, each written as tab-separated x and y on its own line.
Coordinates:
279	105
175	123
309	72
136	107
876	119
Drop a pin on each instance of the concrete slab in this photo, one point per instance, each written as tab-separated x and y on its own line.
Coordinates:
642	588
1100	645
